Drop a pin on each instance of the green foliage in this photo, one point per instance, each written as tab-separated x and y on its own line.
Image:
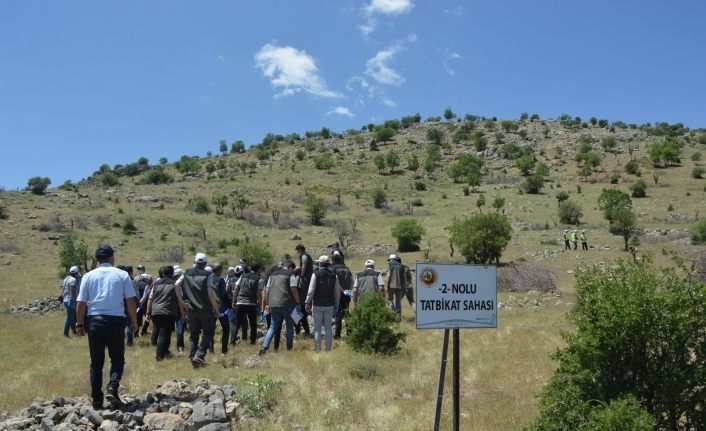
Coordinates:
132	169
533	184
299	155
632	167
698	233
432	159
372	327
638	189
698	172
623	221
325	133
480	202
259	394
129	227
480	143
435	136
634	351
220	201
665	153
156	175
379	197
410	120
570	212
200	205
384	134
38	185
392	158
611	200
316	208
498	203
408	233
562	196
323	162
481	237
364	370
449	114
420	186
163	161
108	179
237	147
379	161
466	168
72	251
187	165
696	156
256	252
525	164
413	163
609	143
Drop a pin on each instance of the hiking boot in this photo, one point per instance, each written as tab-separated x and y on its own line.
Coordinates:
111	395
97	405
198	361
262	351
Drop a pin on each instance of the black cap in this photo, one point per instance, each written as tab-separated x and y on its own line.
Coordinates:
104	252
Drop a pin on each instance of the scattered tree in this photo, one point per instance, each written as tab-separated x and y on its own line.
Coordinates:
256	252
316	208
408	233
223	147
435	136
379	198
379	161
72	252
392	159
498	203
480	202
570	212
373	328
38	185
481	237
449	114
533	184
639	189
187	165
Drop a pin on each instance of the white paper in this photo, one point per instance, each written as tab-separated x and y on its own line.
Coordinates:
296	315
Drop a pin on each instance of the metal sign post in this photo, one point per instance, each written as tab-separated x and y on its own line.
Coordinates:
454	297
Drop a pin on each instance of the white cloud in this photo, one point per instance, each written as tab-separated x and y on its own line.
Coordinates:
292	71
369	27
222	58
389	102
341	110
379	69
454	11
389	7
448	57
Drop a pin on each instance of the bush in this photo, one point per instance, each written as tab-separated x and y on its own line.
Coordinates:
4	215
696	156
632	167
109	179
200	205
698	172
129	227
533	184
157	176
408	233
638	328
38	185
420	186
379	198
364	370
256	251
316	208
259	394
187	165
639	189
435	136
385	134
481	237
372	327
570	213
72	251
698	233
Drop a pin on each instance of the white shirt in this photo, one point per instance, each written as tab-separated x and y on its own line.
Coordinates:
337	290
104	290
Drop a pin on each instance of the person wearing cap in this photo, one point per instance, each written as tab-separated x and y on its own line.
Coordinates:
224	300
69	292
367	282
584	241
567	241
323	296
104	295
336	250
142	287
395	283
306	269
196	288
280	300
246	297
345	278
574	239
163	309
140	269
181	322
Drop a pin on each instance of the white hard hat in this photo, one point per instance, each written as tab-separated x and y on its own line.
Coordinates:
201	258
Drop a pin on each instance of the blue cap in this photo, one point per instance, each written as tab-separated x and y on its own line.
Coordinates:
104	252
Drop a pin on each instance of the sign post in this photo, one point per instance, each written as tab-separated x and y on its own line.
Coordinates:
454	297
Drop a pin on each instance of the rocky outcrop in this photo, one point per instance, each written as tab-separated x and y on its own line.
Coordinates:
175	405
40	306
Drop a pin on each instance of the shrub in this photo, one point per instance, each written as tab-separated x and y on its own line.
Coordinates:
696	156
187	165
408	233
632	167
38	185
665	153
562	196
481	237
372	327
379	198
621	352
4	214
72	251
323	162
435	136
698	233
384	134
698	172
533	184
420	186
200	205
256	251
614	178
156	176
316	208
364	370
129	227
639	189
259	394
570	213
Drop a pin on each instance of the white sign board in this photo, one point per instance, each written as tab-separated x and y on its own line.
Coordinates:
456	296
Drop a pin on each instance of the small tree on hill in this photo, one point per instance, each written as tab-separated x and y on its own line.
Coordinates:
533	184
570	212
481	237
449	114
223	146
633	361
372	327
408	233
379	197
435	136
256	252
379	161
72	251
392	159
316	208
639	189
38	185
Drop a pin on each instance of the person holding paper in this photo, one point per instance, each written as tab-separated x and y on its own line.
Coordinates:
324	294
280	301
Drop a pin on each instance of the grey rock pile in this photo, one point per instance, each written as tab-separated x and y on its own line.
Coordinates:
40	306
175	405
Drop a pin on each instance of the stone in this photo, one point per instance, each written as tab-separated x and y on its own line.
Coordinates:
296	237
108	425
204	414
46	425
16	424
232	409
113	415
91	415
217	427
253	361
164	421
138	416
53	414
179	391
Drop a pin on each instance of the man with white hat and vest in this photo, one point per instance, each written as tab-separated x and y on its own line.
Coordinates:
69	292
323	296
395	284
367	282
196	288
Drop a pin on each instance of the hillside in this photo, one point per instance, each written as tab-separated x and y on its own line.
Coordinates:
263	191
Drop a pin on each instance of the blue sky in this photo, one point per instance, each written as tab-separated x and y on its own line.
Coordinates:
84	83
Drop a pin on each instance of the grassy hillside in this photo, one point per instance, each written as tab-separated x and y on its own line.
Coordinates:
502	369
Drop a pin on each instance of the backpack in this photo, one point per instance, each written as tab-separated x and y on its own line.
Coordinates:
345	277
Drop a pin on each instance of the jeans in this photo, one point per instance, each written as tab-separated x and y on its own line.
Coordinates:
322	316
198	323
278	334
70	317
105	331
342	312
246	315
129	332
280	314
396	295
180	328
162	326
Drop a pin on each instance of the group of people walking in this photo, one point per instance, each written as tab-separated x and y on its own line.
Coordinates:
572	237
111	307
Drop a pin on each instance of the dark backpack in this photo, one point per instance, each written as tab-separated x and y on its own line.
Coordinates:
345	276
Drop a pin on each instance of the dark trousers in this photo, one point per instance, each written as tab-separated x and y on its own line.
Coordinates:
278	334
246	315
225	333
303	323
340	314
180	329
584	245
201	330
234	329
106	331
567	244
162	326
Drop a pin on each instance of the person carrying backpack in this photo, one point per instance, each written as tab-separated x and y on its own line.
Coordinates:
367	282
345	278
246	296
163	310
409	290
395	284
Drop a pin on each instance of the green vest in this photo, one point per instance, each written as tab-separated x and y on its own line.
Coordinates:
247	295
324	295
398	280
195	290
583	237
279	294
367	283
164	299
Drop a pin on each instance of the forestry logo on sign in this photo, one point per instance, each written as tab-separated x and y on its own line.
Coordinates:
429	277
